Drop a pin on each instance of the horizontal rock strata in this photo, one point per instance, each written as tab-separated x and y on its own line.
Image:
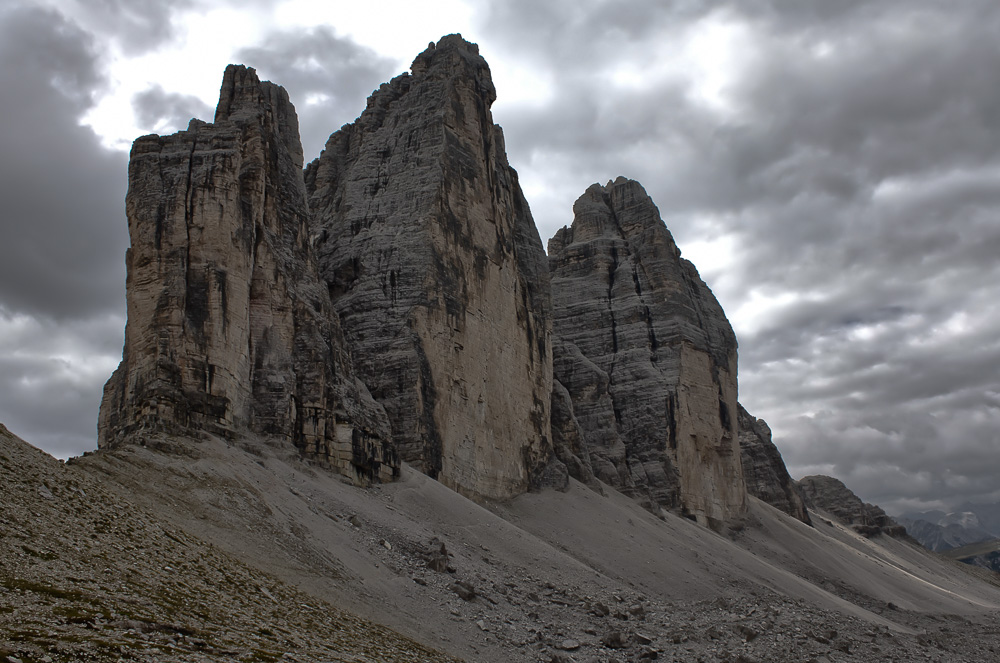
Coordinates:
647	357
230	329
764	471
436	269
823	493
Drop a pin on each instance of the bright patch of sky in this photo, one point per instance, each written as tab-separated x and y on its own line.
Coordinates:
708	58
207	41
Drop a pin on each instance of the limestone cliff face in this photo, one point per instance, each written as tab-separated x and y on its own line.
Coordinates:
230	329
647	357
436	269
830	495
764	471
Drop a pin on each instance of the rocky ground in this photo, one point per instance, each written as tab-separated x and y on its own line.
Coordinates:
205	551
87	575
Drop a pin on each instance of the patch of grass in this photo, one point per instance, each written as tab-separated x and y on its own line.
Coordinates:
76	614
43	589
46	555
263	656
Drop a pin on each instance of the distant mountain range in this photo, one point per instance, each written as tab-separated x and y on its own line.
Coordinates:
940	531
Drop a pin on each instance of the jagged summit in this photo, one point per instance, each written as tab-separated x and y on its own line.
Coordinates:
243	96
647	357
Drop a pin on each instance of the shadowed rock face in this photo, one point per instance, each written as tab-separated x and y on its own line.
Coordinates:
764	471
229	328
647	357
832	496
435	266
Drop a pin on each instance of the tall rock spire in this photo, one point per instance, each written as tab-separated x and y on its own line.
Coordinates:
647	356
438	274
230	330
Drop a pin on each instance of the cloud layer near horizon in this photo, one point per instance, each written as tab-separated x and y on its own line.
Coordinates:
832	168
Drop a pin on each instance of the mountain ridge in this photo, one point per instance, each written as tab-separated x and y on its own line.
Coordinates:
366	380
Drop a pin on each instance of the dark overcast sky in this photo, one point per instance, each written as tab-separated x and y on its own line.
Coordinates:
832	168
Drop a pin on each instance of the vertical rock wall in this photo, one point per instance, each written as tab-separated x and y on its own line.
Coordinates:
229	328
647	357
435	266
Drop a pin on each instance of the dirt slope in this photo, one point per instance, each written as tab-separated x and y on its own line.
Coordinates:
89	574
553	575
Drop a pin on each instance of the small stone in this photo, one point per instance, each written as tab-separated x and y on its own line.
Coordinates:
600	609
436	556
465	590
354	520
614	640
569	645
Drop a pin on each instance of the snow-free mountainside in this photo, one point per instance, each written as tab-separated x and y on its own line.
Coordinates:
361	415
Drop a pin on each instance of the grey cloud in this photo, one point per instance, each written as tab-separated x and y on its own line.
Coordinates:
137	25
63	234
860	188
328	78
63	217
165	112
51	375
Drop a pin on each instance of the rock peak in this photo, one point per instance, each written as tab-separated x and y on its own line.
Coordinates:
244	96
455	58
230	330
435	266
647	358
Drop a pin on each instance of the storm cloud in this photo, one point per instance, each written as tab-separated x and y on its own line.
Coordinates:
168	112
327	77
64	237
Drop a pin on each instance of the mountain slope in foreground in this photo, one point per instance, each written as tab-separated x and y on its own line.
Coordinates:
87	574
203	550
